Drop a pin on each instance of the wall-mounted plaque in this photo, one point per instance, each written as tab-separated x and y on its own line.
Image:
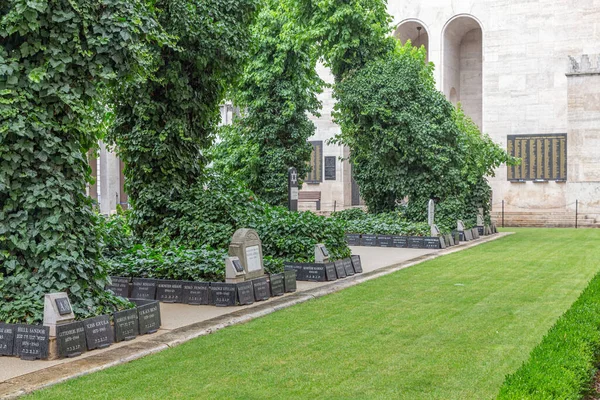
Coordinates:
356	264
63	305
289	280
126	324
384	241
400	241
543	157
31	342
169	291
98	332
276	282
316	163
245	292
330	162
70	339
7	339
261	289
353	239
195	293
223	294
368	240
143	289
119	286
149	317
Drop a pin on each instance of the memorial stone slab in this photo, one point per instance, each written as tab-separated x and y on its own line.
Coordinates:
292	189
298	267
234	270
481	230
468	234
119	286
450	240
347	262
224	294
356	264
31	342
57	310
475	233
400	241
70	339
169	291
330	273
98	332
384	241
261	289
7	339
143	289
442	242
149	317
340	270
315	272
195	293
431	243
289	280
245	292
353	239
321	253
368	240
246	245
126	324
276	283
416	242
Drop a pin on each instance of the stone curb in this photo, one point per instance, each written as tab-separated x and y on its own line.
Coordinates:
27	383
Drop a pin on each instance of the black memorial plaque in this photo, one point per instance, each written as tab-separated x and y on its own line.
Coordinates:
400	241
70	339
315	272
245	292
340	270
442	242
119	286
276	283
459	236
126	324
431	243
289	280
481	230
347	262
7	339
384	241
195	293
223	294
292	189
330	273
416	242
330	162
353	239
356	264
63	306
143	289
368	240
298	267
261	289
31	342
98	332
149	317
169	291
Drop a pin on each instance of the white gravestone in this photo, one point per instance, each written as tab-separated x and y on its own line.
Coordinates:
430	212
460	226
247	247
321	254
57	311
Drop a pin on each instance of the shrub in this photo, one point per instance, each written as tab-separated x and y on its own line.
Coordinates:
391	223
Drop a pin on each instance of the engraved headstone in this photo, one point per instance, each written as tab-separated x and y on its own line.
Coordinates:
353	239
223	294
7	339
430	212
321	253
400	241
298	268
347	262
468	234
234	270
143	289
261	289
246	245
292	189
57	310
98	332
330	273
70	339
384	241
442	242
149	317
356	264
119	286
195	293
169	291
126	324
450	240
475	233
368	240
416	242
315	272
276	282
340	270
289	280
431	243
32	341
245	292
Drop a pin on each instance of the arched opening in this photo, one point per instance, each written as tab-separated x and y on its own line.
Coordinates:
414	31
462	65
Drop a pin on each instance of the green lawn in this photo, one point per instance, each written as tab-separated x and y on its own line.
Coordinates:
450	328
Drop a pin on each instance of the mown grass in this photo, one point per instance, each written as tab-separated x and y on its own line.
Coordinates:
450	328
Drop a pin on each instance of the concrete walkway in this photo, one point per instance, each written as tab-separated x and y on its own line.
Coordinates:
182	322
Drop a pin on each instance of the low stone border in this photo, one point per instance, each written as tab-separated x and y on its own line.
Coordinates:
27	383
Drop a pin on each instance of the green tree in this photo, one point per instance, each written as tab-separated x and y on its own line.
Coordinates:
53	56
277	91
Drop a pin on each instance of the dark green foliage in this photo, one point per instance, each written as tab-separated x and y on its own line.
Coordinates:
277	90
563	364
392	223
53	55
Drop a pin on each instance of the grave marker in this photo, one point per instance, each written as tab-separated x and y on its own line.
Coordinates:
119	286
330	273
70	339
195	293
245	291
384	241
353	239
431	243
416	242
340	270
276	282
169	291
246	245
223	294
356	264
400	241
321	253
7	339
57	310
368	240
347	263
149	317
32	341
98	332
289	280
143	289
292	189
261	289
315	272
126	324
234	271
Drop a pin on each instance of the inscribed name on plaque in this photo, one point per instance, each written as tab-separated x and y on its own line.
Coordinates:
253	258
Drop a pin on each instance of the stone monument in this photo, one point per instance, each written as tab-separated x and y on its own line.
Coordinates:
430	212
247	247
292	189
57	311
480	221
321	254
234	271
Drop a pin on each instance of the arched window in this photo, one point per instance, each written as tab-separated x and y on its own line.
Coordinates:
414	31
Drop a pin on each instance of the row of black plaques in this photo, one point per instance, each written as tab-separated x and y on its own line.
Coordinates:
322	272
205	293
410	242
31	342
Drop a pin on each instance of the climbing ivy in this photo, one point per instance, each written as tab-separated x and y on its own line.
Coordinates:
53	56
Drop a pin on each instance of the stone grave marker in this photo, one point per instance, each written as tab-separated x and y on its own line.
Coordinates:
353	239
435	231
32	341
70	339
261	289
169	291
330	274
289	280
195	293
340	270
143	289
460	226
246	245
430	212
468	234
7	339
276	282
356	264
442	242
368	240
292	189
223	294
98	332
475	233
450	240
416	242
315	272
57	310
384	241
126	324
149	317
400	241
347	263
321	253
119	286
234	270
298	268
245	291
431	243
